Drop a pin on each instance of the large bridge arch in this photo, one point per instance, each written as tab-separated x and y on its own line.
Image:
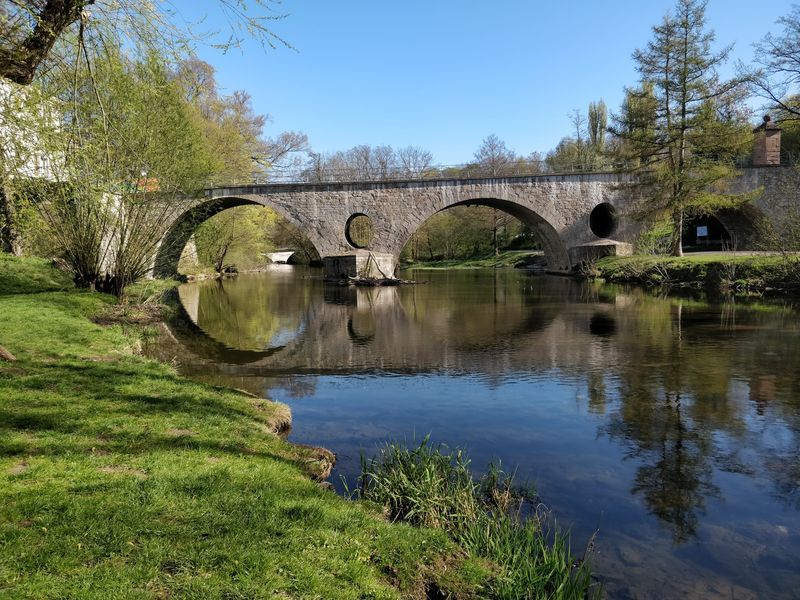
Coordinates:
169	251
746	225
557	207
555	249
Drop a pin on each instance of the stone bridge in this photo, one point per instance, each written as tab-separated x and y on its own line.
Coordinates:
570	213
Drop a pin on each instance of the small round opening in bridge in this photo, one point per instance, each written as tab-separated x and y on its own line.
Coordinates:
359	231
603	220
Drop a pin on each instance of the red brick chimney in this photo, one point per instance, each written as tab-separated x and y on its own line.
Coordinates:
767	144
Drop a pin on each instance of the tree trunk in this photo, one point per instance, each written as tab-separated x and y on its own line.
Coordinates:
9	235
495	227
19	62
219	261
677	233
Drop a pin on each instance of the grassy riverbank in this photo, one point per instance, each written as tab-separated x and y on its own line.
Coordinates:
737	272
120	479
509	258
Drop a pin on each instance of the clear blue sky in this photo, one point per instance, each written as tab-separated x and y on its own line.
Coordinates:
443	74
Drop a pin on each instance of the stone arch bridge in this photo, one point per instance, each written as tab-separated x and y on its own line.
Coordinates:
572	214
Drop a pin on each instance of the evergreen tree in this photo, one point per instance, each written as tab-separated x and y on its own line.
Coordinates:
681	130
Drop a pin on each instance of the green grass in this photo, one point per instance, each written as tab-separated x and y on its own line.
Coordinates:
507	258
121	479
432	487
30	275
738	272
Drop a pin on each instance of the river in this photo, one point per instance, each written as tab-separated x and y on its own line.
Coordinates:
668	425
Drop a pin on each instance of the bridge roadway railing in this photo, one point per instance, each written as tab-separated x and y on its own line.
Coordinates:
464	171
519	168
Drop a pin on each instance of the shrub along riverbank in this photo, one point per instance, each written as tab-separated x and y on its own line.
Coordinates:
492	519
121	479
756	273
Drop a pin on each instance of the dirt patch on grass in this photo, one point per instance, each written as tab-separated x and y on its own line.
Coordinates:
318	462
131	314
19	468
9	372
180	432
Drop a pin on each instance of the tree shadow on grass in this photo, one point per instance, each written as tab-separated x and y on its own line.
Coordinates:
129	407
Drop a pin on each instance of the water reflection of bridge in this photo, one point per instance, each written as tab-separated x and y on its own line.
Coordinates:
356	329
627	345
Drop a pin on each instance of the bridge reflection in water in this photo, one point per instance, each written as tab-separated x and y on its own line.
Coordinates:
670	424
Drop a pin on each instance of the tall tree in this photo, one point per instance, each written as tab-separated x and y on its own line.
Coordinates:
776	77
368	163
584	150
598	122
130	153
684	157
493	157
413	161
634	127
233	131
235	237
50	40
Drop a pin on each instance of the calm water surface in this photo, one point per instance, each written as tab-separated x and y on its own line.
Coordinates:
670	426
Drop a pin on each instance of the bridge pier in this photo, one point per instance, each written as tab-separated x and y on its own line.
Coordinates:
360	263
588	253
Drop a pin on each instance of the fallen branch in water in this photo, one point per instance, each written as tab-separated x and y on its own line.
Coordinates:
374	281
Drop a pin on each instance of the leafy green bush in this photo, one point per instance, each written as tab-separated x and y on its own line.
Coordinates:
655	240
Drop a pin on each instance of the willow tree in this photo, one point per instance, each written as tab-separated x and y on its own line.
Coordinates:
682	129
37	46
130	157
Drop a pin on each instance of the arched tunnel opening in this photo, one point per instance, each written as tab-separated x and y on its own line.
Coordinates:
742	228
705	233
485	229
359	231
